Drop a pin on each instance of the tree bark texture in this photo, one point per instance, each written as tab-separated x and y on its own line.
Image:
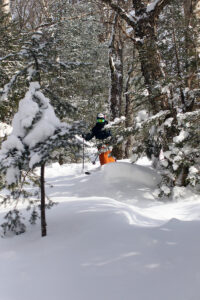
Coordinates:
5	11
116	76
5	6
192	44
43	215
129	97
150	59
116	70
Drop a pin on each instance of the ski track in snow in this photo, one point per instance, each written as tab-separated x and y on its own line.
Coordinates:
109	238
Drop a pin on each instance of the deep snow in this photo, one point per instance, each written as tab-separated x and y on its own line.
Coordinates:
108	239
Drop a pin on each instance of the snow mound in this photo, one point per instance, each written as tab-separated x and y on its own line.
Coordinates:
138	175
121	181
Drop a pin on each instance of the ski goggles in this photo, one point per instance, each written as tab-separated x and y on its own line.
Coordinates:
100	120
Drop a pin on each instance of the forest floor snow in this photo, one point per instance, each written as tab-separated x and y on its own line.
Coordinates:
109	238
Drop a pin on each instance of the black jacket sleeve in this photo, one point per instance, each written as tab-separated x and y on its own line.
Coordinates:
89	136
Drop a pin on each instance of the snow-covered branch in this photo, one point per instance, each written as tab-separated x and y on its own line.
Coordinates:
122	13
74	64
5	129
36	133
152	10
159	117
117	121
7	88
155	7
7	56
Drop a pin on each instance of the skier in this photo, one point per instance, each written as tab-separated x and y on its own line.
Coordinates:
100	133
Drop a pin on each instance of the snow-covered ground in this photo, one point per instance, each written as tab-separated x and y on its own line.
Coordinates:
108	239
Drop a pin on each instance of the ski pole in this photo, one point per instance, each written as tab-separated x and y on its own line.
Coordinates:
94	161
83	154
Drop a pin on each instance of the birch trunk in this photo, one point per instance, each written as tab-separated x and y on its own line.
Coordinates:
5	11
5	6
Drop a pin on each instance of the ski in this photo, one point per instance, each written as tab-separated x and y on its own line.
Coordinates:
87	173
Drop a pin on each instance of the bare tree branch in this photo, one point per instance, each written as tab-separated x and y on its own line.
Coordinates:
157	7
121	12
152	10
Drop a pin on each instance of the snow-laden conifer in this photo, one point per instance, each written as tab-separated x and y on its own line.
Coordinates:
36	133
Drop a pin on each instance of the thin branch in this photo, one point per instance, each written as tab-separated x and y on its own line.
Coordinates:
126	34
157	7
9	85
7	56
122	13
21	188
79	17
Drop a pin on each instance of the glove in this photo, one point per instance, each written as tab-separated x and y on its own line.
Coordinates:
83	135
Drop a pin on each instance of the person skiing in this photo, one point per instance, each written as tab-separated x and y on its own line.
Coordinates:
101	133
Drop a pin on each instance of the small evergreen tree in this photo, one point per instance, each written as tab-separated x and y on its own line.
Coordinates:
36	133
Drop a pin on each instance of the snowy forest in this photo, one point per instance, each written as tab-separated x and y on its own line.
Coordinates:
61	63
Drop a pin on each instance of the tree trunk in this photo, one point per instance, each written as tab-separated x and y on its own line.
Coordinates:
129	111
116	71
5	6
150	61
146	44
178	66
192	45
43	215
5	11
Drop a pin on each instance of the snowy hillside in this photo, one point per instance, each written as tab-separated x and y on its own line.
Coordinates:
109	238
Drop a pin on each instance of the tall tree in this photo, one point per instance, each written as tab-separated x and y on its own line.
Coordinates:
144	25
192	34
116	69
